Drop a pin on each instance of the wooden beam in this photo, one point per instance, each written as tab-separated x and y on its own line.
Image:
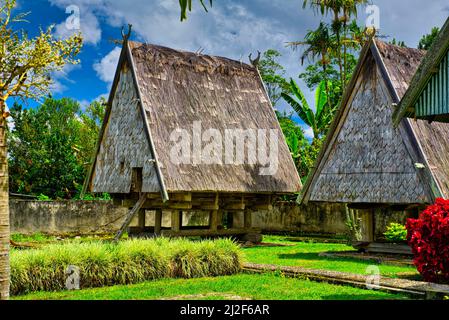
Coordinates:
267	207
180	206
158	222
181	197
206	232
235	206
130	216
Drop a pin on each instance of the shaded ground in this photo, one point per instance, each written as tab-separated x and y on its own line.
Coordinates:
309	255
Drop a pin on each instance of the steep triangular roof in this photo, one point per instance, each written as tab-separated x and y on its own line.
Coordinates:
364	158
177	89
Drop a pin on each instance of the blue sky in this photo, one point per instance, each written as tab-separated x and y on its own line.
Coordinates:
232	28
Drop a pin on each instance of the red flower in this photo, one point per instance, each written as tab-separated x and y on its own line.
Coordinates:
428	236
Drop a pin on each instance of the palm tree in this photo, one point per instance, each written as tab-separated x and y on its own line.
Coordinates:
320	44
320	120
343	11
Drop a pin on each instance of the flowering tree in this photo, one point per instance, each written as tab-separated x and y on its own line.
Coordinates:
429	238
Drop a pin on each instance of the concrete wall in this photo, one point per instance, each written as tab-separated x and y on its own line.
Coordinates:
85	217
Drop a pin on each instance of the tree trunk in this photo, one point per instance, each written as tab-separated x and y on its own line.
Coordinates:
4	210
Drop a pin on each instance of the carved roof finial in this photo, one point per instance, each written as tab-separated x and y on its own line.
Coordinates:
255	62
128	35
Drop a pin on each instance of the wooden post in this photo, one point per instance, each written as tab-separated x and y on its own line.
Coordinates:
367	225
220	219
176	220
213	220
141	223
248	219
158	222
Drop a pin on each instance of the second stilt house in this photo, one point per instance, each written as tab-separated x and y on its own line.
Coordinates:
371	165
190	132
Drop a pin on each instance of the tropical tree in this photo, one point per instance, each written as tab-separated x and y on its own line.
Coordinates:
342	11
427	40
26	66
319	44
319	120
272	74
50	147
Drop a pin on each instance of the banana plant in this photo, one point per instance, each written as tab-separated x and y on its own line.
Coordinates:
320	120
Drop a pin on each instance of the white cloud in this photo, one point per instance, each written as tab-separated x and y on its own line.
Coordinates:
107	66
60	78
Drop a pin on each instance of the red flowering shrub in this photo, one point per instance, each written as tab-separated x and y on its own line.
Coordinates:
428	236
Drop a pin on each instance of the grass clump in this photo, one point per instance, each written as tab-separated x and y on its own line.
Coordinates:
128	262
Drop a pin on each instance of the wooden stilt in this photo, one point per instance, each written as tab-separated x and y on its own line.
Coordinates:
248	219
176	220
213	220
158	222
220	219
142	218
130	216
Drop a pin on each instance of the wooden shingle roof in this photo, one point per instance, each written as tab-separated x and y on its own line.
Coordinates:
178	89
365	159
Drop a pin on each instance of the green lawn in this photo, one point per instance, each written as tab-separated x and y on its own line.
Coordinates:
243	286
306	255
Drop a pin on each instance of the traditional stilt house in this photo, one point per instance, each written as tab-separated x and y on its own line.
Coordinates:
366	162
190	132
428	95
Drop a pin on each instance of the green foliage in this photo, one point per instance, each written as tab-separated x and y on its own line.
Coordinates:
187	5
51	147
43	197
398	43
396	233
134	261
306	159
427	40
320	119
273	74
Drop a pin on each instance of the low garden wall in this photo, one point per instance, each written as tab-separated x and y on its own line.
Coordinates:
86	217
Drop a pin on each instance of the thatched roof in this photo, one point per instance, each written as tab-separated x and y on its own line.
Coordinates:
178	88
429	68
365	159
